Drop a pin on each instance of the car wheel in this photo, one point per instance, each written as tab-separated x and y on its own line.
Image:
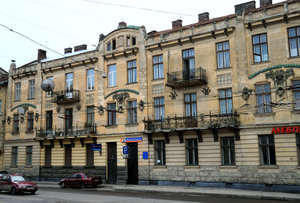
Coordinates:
82	186
62	185
13	191
32	192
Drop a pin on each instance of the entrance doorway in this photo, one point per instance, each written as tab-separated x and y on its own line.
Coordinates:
112	162
132	163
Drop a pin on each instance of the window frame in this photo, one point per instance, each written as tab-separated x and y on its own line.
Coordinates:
31	89
90	115
191	104
194	161
16	124
160	108
132	71
17	91
89	156
223	53
69	81
230	148
160	152
49	120
68	155
90	79
189	71
297	37
48	156
226	99
14	156
296	89
268	145
132	112
29	155
159	66
112	75
263	95
111	114
260	44
30	121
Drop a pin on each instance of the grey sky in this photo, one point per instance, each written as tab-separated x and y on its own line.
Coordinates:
58	24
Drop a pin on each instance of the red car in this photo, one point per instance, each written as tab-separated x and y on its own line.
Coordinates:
17	184
81	180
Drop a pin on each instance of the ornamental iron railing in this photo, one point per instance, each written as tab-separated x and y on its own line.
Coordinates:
65	96
210	121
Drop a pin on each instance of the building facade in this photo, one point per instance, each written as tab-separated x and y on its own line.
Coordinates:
3	88
211	103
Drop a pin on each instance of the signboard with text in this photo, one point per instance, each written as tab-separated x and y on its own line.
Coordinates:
132	139
96	147
285	130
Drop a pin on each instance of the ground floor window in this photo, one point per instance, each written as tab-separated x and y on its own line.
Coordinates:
191	152
267	150
68	155
14	157
29	156
160	156
228	153
89	156
48	155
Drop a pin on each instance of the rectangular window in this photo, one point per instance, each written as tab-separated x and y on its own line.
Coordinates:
69	85
260	48
159	108
267	150
296	92
68	120
223	55
31	92
131	71
225	99
17	91
188	57
158	67
263	98
294	41
14	157
89	156
191	152
48	94
133	41
112	75
111	111
48	150
90	115
16	124
298	147
49	120
108	46
132	112
68	155
90	79
113	44
160	156
30	122
190	102
29	156
228	153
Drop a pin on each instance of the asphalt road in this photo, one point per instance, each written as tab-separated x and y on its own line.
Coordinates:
88	196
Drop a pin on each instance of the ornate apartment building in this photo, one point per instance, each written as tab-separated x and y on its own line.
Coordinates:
211	103
3	88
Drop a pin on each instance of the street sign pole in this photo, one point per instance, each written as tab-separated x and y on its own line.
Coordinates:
125	156
125	171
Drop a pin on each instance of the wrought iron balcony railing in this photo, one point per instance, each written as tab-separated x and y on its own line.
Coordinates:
210	121
65	96
75	131
187	78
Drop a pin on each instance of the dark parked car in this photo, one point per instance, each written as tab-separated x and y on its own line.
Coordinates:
17	184
81	180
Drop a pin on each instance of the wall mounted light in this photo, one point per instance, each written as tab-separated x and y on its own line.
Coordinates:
141	105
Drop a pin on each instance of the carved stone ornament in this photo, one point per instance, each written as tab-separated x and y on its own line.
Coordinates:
173	94
280	76
246	93
206	90
121	97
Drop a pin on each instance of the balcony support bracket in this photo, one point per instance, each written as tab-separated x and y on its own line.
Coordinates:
150	140
236	134
72	143
61	143
199	135
82	142
52	143
41	144
180	135
215	133
167	139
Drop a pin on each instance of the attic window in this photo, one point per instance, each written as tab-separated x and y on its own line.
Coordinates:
114	44
133	41
128	41
109	46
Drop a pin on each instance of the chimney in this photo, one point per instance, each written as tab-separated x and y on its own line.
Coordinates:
42	54
203	16
241	8
13	65
80	47
68	50
122	25
265	3
176	24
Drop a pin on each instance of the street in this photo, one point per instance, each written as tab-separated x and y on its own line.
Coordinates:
90	196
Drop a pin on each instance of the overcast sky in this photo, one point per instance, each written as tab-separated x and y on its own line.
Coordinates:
58	24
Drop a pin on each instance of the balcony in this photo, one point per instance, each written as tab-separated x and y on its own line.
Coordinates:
70	133
187	78
200	122
65	96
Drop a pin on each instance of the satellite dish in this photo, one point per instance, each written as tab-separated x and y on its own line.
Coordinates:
47	85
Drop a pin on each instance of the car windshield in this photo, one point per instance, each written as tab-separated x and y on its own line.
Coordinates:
17	178
89	175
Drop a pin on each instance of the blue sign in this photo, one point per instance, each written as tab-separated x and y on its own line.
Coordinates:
96	147
125	150
145	155
132	139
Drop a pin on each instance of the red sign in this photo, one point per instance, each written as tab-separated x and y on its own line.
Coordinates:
285	130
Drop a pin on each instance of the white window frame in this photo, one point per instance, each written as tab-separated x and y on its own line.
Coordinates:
112	75
90	79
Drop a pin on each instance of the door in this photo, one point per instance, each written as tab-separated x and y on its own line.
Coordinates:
132	163
112	162
68	121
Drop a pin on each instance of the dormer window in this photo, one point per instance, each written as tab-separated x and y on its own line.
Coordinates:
109	46
113	44
128	41
133	41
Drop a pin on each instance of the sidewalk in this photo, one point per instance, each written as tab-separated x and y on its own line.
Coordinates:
187	191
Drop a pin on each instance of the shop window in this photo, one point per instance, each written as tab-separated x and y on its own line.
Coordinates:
267	150
228	153
160	156
191	152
